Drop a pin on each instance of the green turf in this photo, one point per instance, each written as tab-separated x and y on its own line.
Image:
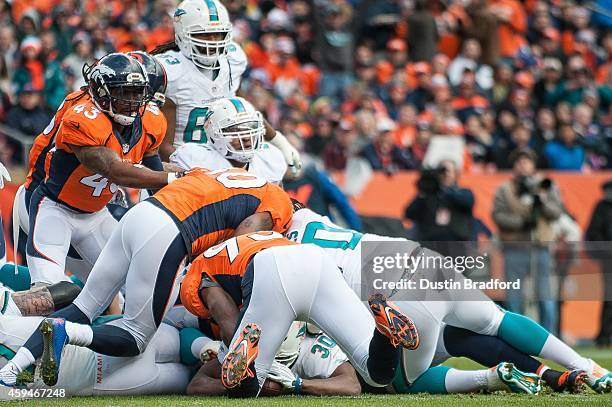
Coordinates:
422	400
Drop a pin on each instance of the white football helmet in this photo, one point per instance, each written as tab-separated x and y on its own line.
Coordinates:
235	128
193	20
289	350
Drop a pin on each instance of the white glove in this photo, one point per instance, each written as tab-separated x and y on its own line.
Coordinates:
209	351
292	156
4	174
283	375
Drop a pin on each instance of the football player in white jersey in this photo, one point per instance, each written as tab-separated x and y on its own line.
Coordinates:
314	364
204	64
236	133
321	365
86	373
482	317
314	361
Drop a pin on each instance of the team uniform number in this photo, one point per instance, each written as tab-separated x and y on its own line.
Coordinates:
231	245
98	183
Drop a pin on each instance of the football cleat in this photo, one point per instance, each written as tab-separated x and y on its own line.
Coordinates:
236	364
573	381
54	338
516	380
598	378
392	323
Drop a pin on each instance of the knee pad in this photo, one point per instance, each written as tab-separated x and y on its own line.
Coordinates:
63	294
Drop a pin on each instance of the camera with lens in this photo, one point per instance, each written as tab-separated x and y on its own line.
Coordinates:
429	182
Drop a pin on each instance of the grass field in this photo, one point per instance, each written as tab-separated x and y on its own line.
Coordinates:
422	400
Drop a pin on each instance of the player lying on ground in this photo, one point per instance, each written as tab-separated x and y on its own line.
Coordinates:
482	317
315	365
275	282
86	373
203	64
147	252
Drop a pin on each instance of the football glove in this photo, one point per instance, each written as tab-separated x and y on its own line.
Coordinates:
292	156
283	375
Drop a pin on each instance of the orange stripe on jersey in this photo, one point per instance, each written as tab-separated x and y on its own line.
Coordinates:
225	265
70	182
209	205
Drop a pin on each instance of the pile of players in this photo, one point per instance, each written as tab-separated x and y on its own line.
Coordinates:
216	282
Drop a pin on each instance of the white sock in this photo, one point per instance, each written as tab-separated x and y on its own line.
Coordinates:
466	381
556	350
23	358
79	334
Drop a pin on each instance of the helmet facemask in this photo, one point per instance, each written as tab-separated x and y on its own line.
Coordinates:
206	47
123	102
243	139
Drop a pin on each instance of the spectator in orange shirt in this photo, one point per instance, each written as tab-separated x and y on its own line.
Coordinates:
405	130
551	44
396	58
162	33
284	68
468	101
512	25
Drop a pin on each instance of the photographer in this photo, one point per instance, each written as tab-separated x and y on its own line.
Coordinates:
441	212
524	210
600	231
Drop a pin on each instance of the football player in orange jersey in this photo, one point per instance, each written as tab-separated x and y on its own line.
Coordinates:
275	282
146	253
99	144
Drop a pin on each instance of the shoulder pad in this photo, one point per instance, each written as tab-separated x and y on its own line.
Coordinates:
236	56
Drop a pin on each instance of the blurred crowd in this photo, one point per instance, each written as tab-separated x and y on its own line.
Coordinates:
371	78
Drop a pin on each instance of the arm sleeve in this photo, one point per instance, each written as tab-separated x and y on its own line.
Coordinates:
338	198
462	197
153	162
